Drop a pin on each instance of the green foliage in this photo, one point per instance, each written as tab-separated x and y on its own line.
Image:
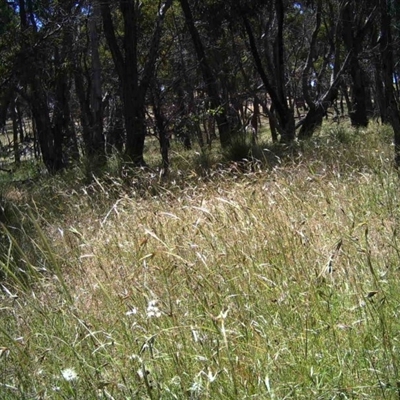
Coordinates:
341	134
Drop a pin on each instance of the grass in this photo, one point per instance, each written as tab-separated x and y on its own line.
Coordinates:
277	283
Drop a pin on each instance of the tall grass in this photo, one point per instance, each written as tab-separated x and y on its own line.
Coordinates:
281	283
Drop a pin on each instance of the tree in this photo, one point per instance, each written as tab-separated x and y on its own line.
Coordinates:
357	21
321	99
386	47
210	81
273	80
40	75
134	80
88	85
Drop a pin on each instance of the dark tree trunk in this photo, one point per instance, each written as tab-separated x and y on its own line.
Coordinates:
135	125
272	122
285	115
63	133
353	38
210	81
132	96
14	118
318	108
345	94
183	127
50	140
87	78
84	105
386	44
20	121
161	124
50	146
133	88
97	148
312	121
35	136
379	95
358	116
380	92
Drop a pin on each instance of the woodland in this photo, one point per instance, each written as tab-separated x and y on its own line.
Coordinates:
199	199
89	79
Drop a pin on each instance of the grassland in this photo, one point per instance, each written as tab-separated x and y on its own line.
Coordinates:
276	281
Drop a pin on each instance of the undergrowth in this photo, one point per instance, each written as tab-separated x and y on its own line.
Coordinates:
275	281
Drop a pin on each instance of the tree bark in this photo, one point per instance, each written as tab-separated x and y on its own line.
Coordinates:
161	123
285	115
133	88
97	145
63	133
14	118
50	146
353	37
210	81
318	108
386	46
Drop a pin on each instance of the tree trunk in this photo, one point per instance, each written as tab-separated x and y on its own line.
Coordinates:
352	37
133	99
115	124
358	116
312	121
97	148
318	108
20	121
50	146
210	81
285	115
84	114
133	88
272	125
14	118
50	140
61	126
386	44
161	123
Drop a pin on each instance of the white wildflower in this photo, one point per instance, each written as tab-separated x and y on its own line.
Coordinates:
69	374
153	310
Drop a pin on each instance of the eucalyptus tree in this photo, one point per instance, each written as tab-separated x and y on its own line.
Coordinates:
357	22
396	43
42	75
264	24
386	8
8	48
87	68
324	65
219	109
65	14
134	63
